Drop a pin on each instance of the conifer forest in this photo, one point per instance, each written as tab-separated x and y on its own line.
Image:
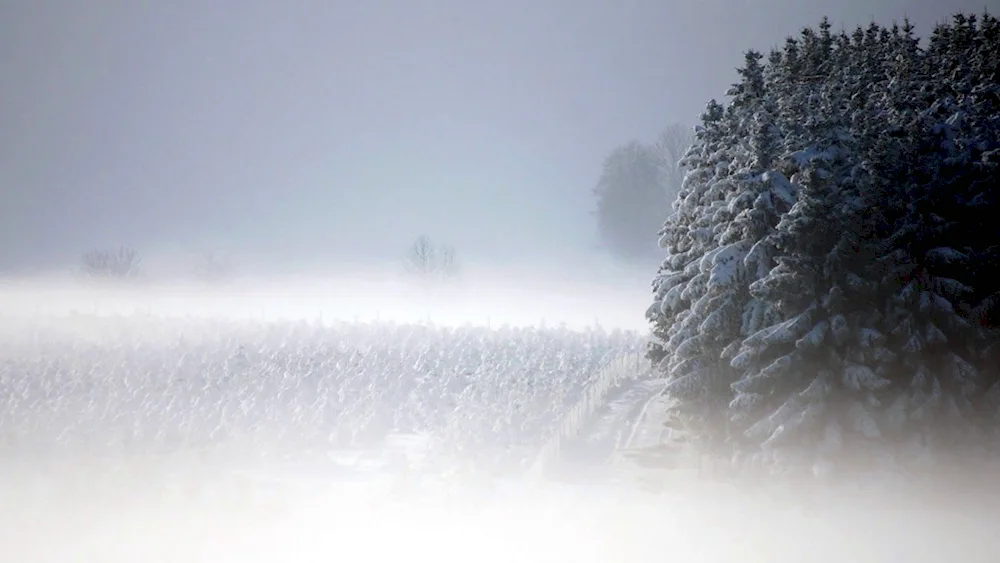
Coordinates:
830	296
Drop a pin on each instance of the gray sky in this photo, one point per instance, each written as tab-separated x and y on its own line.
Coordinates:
333	129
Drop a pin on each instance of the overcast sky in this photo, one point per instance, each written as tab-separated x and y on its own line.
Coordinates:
334	130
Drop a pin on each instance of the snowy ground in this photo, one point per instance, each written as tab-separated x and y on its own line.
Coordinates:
189	512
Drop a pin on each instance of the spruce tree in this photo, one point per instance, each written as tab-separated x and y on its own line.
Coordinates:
689	235
831	279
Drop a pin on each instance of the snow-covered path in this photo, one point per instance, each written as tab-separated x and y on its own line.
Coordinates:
611	424
640	419
608	427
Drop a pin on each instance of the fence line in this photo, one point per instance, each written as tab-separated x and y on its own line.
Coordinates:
626	366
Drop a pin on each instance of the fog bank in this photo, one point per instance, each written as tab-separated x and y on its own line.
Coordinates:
611	298
149	510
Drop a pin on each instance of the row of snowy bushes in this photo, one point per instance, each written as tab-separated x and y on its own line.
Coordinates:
139	383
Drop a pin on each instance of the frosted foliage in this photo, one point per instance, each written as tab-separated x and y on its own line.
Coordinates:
934	335
869	337
781	187
817	390
714	323
672	300
156	383
758	260
815	337
726	263
944	255
857	377
963	372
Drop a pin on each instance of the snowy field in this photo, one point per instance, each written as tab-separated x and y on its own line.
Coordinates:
239	425
150	384
487	363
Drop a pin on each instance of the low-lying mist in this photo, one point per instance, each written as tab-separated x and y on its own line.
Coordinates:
493	297
157	510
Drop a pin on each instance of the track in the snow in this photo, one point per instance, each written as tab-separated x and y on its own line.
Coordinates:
605	427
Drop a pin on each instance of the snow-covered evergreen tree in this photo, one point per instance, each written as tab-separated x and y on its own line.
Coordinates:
731	202
941	241
832	278
810	378
689	235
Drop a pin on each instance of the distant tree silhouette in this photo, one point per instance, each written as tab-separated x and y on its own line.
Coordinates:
210	267
637	186
673	142
429	262
123	263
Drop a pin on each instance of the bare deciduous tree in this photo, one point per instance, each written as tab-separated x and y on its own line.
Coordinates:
123	263
447	265
420	257
210	267
672	144
427	261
